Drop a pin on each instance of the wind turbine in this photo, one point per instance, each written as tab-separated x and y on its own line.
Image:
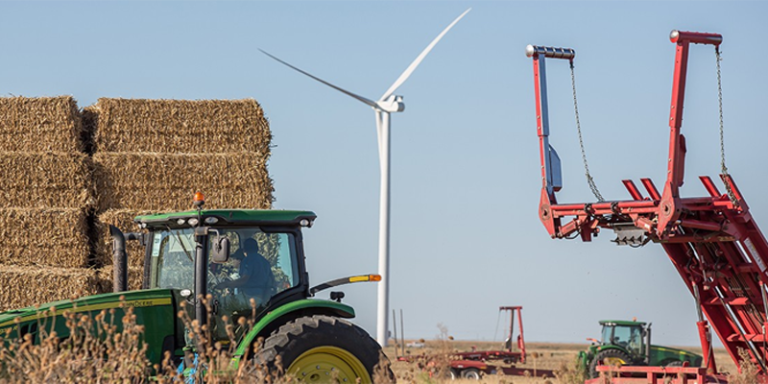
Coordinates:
387	103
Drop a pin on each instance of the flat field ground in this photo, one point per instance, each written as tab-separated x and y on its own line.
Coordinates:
544	356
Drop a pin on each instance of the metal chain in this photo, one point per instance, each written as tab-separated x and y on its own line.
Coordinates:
728	189
590	180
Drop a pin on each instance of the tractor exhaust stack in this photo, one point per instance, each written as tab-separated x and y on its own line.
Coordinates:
119	260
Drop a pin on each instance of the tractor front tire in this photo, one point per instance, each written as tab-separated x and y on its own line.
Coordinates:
612	357
323	349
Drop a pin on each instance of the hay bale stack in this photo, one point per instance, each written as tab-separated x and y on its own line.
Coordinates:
46	190
180	126
23	287
44	237
166	182
122	219
45	124
106	276
45	179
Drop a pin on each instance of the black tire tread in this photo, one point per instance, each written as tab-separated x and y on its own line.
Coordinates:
602	355
303	333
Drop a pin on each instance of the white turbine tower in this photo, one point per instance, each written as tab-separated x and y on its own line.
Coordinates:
387	103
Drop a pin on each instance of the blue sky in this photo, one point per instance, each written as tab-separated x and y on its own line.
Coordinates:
465	173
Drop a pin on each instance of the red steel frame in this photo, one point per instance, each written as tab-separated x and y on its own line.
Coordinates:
505	355
479	359
712	241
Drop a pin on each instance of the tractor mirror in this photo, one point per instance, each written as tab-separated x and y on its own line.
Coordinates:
220	250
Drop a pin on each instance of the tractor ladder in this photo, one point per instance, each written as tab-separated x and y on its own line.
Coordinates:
713	241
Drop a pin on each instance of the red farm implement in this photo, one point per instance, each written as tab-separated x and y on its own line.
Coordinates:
473	364
712	241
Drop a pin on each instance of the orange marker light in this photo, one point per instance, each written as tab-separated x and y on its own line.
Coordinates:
199	198
356	279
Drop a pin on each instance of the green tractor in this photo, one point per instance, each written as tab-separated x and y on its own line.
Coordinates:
190	255
629	343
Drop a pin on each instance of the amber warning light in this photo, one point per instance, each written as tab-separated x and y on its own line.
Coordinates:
198	199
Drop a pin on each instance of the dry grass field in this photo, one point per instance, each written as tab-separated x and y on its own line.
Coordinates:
541	356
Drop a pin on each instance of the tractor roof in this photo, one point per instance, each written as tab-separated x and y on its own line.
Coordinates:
231	217
625	323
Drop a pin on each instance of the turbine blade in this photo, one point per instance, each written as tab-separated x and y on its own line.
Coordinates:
400	80
342	90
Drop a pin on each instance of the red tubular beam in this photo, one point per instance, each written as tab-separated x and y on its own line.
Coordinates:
705	225
632	189
706	347
709	186
605	206
695	37
652	191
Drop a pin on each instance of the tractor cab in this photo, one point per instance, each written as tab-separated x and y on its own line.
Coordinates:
631	336
246	260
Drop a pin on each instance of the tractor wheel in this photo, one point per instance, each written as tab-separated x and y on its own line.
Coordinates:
323	349
676	363
612	357
470	374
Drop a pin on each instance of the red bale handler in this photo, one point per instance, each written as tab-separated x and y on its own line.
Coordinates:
713	241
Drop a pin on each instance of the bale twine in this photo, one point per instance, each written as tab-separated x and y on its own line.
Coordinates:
180	126
42	179
45	124
24	286
167	182
48	237
106	278
123	220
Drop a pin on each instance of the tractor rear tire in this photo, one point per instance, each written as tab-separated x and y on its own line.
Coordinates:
615	357
470	374
324	349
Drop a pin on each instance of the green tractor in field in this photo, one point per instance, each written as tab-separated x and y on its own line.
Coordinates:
190	255
629	343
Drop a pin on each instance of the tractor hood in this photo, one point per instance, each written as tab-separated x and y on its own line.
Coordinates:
660	354
144	298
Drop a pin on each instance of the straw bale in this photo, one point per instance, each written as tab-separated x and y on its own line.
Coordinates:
180	126
122	219
40	124
50	237
45	180
26	286
166	182
106	276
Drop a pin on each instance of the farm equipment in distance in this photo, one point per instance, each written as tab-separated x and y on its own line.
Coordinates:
629	343
473	364
712	241
185	253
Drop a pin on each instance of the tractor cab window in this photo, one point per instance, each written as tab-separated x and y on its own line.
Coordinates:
635	344
629	337
261	265
173	259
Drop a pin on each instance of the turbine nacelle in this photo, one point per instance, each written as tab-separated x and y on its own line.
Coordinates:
392	103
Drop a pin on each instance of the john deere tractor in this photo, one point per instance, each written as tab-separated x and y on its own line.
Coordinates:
189	256
629	343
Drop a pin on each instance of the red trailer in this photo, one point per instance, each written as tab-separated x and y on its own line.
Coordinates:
474	364
712	241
